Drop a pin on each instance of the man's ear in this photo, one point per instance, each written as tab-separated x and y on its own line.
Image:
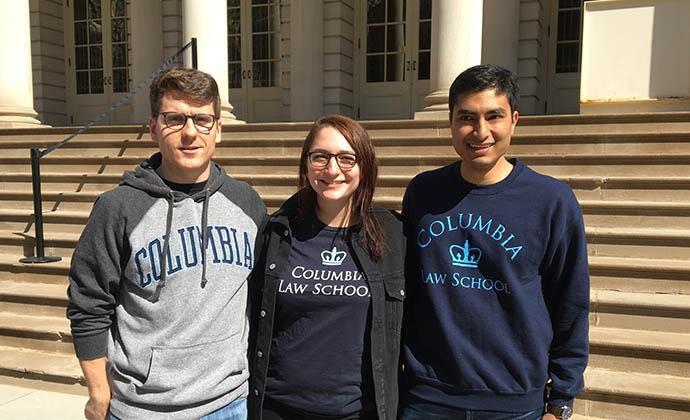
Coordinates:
218	130
152	129
516	116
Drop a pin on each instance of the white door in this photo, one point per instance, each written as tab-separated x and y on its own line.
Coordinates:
97	59
564	58
254	60
394	56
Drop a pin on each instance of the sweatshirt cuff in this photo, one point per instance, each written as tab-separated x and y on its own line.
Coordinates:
91	346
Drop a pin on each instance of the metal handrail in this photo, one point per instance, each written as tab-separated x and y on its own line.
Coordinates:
37	154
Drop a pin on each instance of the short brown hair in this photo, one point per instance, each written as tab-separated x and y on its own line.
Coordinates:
192	84
359	140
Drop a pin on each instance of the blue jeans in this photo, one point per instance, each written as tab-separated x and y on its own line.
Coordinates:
425	411
236	410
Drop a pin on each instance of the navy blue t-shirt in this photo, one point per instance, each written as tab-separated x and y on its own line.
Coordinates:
319	360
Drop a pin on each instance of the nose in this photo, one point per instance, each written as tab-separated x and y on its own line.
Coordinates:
189	129
481	128
332	166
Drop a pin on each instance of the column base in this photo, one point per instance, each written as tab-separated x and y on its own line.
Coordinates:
226	115
18	117
436	107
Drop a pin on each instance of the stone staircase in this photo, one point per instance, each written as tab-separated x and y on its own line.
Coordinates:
631	174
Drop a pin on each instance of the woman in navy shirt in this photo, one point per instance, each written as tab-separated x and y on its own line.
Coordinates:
328	290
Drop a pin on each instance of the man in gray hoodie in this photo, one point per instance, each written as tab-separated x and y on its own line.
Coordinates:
158	281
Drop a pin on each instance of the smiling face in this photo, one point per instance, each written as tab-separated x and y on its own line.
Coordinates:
482	125
332	185
186	153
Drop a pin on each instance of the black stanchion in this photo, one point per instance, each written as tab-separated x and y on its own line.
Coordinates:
40	256
195	63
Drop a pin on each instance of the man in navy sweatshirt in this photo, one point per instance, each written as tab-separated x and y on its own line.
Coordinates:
496	322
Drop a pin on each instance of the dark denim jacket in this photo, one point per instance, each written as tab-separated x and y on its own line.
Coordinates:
387	287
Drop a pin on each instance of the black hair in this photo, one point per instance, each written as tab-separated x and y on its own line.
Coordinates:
484	77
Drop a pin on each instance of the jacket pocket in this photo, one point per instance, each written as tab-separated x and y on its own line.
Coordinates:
190	374
394	285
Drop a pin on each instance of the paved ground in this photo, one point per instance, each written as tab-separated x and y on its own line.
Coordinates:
29	404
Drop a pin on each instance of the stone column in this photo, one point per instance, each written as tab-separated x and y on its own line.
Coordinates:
206	20
306	48
456	44
501	38
16	84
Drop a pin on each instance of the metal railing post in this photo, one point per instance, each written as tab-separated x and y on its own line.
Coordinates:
195	63
38	211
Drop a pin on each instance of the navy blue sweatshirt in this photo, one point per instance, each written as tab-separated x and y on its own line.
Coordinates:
501	302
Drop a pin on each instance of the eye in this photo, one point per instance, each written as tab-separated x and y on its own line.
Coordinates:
319	158
204	120
175	119
347	159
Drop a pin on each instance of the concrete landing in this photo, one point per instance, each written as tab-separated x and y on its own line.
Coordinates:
18	403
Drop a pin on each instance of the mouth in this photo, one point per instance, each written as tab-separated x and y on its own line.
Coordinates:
480	147
189	149
330	184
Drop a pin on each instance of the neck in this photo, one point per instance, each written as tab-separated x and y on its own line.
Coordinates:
335	214
188	176
493	175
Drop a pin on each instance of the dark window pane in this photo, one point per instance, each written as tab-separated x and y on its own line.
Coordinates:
394	68
424	35
80	37
375	68
233	3
396	10
569	25
395	39
261	1
234	48
376	11
97	82
94	9
424	65
120	82
567	57
375	39
259	19
425	9
260	74
81	58
275	73
79	10
117	8
233	21
569	3
96	57
274	44
273	21
95	35
119	55
235	75
82	82
260	47
119	30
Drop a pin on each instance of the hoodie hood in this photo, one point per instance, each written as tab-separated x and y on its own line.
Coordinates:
145	178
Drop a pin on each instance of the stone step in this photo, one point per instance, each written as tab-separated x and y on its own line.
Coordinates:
642	242
32	298
642	351
49	273
36	365
614	394
640	311
45	333
640	275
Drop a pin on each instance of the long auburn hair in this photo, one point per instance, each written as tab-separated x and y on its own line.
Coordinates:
360	204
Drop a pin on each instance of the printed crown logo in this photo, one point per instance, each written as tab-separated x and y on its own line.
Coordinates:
333	257
464	256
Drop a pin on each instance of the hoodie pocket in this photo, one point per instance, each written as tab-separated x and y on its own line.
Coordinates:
394	284
191	374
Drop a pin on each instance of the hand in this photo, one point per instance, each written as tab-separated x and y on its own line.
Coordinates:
549	416
97	408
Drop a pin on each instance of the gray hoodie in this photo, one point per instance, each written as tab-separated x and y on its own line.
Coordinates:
174	329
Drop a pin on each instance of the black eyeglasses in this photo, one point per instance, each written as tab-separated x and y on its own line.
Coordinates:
345	161
176	121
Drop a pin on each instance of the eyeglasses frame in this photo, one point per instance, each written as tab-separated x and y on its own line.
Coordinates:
331	156
202	130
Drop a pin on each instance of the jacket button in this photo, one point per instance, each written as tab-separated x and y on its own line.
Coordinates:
402	292
262	313
259	354
272	266
286	233
256	392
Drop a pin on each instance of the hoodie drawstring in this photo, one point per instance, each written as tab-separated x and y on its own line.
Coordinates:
204	237
166	251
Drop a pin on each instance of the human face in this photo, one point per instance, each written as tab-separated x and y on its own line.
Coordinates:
482	125
186	153
333	186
